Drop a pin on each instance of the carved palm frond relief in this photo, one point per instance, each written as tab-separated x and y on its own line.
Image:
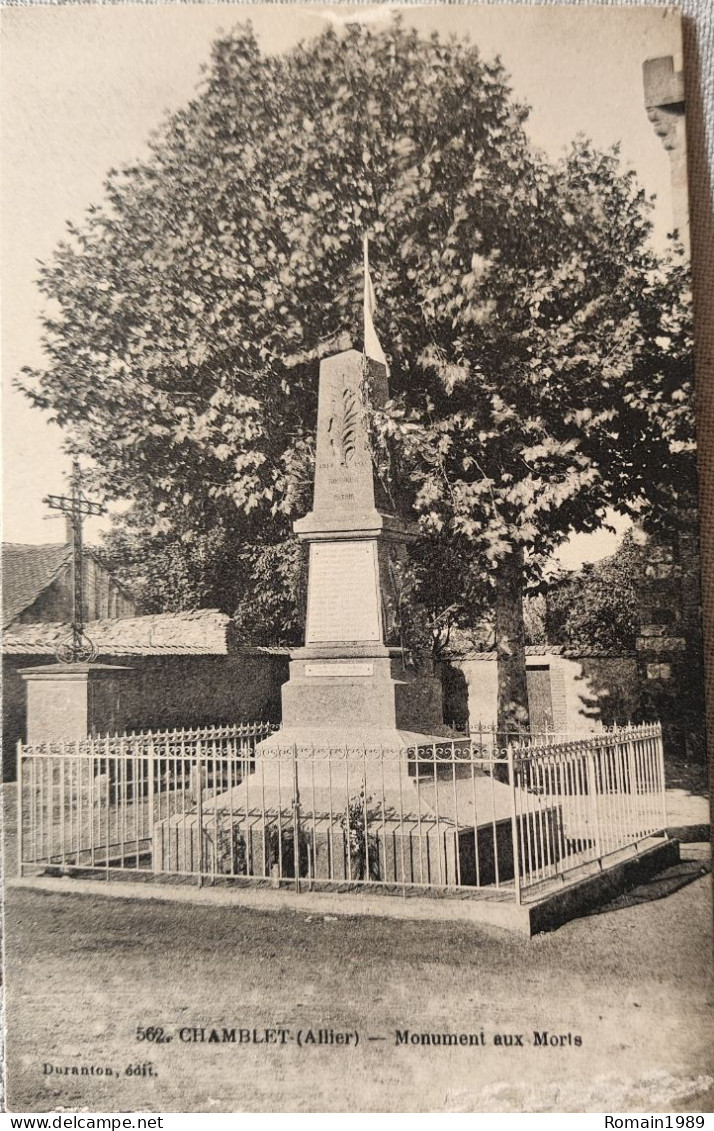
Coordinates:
343	425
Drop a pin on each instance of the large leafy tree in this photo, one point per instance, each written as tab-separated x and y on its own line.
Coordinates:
538	348
599	604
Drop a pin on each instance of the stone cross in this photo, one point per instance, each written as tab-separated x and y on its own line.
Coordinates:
76	507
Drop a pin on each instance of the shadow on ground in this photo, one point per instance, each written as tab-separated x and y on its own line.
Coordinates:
658	887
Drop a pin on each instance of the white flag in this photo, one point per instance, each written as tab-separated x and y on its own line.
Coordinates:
372	347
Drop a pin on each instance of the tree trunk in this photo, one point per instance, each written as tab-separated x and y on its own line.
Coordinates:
511	645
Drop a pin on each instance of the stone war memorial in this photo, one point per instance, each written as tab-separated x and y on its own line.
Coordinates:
363	788
363	774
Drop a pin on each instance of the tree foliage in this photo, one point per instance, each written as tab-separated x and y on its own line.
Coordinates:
539	349
598	605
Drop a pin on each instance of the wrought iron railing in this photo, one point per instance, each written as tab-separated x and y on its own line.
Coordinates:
220	805
608	790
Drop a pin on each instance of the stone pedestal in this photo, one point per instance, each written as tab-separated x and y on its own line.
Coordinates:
415	851
365	697
66	701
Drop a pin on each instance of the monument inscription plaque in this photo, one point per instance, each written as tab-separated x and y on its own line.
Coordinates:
343	602
341	669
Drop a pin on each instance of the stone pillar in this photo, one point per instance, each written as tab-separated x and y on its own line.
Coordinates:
68	701
664	102
669	644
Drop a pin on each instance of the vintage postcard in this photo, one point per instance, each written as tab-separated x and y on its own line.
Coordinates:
353	720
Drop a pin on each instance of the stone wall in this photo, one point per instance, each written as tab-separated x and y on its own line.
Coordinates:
14	712
163	692
178	691
571	692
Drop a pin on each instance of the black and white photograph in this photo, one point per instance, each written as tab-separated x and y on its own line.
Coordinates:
354	744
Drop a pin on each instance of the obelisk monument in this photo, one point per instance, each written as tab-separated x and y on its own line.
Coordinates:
350	683
357	750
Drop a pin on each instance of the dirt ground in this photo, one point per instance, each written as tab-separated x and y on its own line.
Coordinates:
633	982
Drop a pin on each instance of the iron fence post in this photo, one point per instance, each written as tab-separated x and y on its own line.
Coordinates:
150	771
591	781
199	812
296	820
19	809
514	824
659	746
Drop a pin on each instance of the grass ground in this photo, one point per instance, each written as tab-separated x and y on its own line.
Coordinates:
633	982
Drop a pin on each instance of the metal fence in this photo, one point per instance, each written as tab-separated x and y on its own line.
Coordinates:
464	815
606	791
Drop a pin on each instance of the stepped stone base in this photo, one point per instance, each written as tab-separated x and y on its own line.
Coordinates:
399	836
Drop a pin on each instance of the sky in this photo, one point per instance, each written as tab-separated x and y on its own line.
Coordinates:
83	87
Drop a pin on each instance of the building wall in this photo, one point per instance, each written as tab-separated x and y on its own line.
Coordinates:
670	646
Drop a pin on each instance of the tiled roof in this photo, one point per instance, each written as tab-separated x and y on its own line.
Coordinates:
26	572
200	633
